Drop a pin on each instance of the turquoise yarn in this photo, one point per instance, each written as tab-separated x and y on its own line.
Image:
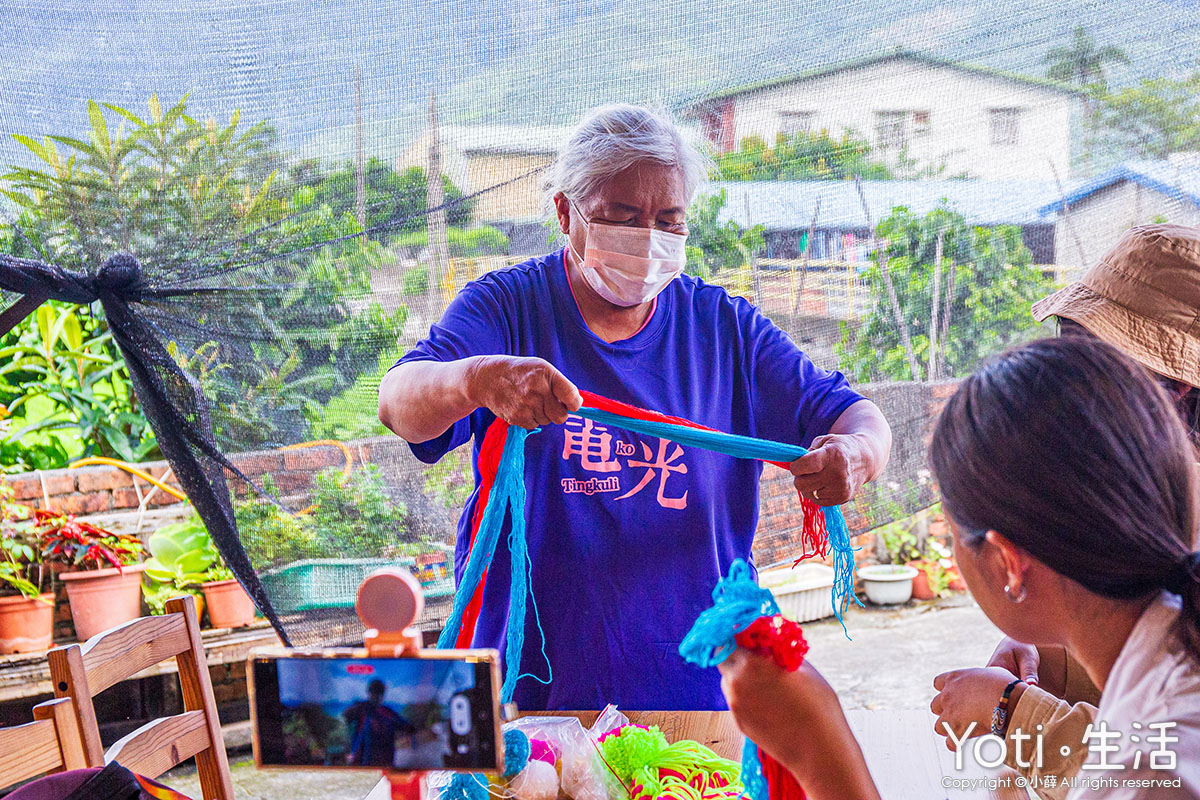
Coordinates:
516	751
466	786
737	446
737	602
507	494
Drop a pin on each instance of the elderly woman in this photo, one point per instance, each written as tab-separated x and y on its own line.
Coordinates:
627	533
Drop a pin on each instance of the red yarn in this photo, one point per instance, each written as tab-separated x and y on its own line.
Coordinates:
814	539
777	637
781	784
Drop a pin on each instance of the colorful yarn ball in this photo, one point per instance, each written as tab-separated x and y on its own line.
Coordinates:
630	748
516	751
542	750
538	781
778	638
466	786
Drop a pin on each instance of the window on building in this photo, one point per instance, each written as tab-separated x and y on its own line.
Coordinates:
891	129
920	121
793	122
1005	125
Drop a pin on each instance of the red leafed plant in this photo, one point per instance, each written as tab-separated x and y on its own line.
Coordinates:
80	545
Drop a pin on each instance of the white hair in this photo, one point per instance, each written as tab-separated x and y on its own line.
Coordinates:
614	137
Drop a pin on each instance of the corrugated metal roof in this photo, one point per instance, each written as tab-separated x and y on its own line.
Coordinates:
1177	180
790	205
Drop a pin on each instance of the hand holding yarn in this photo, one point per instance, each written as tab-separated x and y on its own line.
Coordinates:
744	632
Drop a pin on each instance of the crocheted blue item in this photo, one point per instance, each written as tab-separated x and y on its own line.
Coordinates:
737	446
516	752
737	602
466	786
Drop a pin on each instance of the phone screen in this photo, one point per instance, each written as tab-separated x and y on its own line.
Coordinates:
400	713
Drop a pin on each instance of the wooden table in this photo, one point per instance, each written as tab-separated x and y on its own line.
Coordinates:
906	758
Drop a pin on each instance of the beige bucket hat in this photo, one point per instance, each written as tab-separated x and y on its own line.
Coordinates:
1144	298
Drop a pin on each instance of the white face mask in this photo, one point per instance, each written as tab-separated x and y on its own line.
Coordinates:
629	266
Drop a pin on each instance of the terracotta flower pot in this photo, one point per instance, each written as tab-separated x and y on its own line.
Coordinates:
26	623
921	588
103	598
228	604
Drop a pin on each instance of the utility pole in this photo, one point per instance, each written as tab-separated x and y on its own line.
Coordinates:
360	189
439	248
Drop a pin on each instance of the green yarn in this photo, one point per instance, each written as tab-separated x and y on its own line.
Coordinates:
631	748
651	768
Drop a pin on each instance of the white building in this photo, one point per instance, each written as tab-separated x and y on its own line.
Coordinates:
970	120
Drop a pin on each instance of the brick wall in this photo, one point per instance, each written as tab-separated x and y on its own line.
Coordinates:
98	489
912	410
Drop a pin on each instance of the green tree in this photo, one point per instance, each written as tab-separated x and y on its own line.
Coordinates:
1081	62
712	245
987	283
390	196
802	156
187	196
1157	117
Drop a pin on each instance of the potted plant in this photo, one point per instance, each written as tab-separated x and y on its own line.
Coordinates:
101	570
26	609
185	559
180	555
228	604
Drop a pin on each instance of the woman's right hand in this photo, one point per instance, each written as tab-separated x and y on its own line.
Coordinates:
527	392
796	717
1022	660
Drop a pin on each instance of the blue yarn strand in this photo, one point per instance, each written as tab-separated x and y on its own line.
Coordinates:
507	497
753	780
510	472
731	444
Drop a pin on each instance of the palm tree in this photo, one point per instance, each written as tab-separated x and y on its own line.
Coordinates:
1082	63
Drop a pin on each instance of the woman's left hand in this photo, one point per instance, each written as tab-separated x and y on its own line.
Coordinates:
969	695
833	470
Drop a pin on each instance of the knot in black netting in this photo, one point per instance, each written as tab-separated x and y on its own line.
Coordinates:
119	276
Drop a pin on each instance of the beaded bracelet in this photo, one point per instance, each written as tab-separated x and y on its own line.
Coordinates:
1000	712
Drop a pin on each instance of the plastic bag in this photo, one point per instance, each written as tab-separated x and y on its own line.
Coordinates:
573	751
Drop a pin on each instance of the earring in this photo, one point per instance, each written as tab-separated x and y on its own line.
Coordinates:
1019	598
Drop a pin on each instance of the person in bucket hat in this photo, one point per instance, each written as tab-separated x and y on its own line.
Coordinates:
1143	297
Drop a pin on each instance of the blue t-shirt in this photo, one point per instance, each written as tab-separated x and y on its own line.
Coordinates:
628	534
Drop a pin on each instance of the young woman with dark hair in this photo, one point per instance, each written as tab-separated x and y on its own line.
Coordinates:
1070	487
1142	297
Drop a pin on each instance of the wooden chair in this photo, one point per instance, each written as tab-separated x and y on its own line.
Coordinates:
50	743
81	671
